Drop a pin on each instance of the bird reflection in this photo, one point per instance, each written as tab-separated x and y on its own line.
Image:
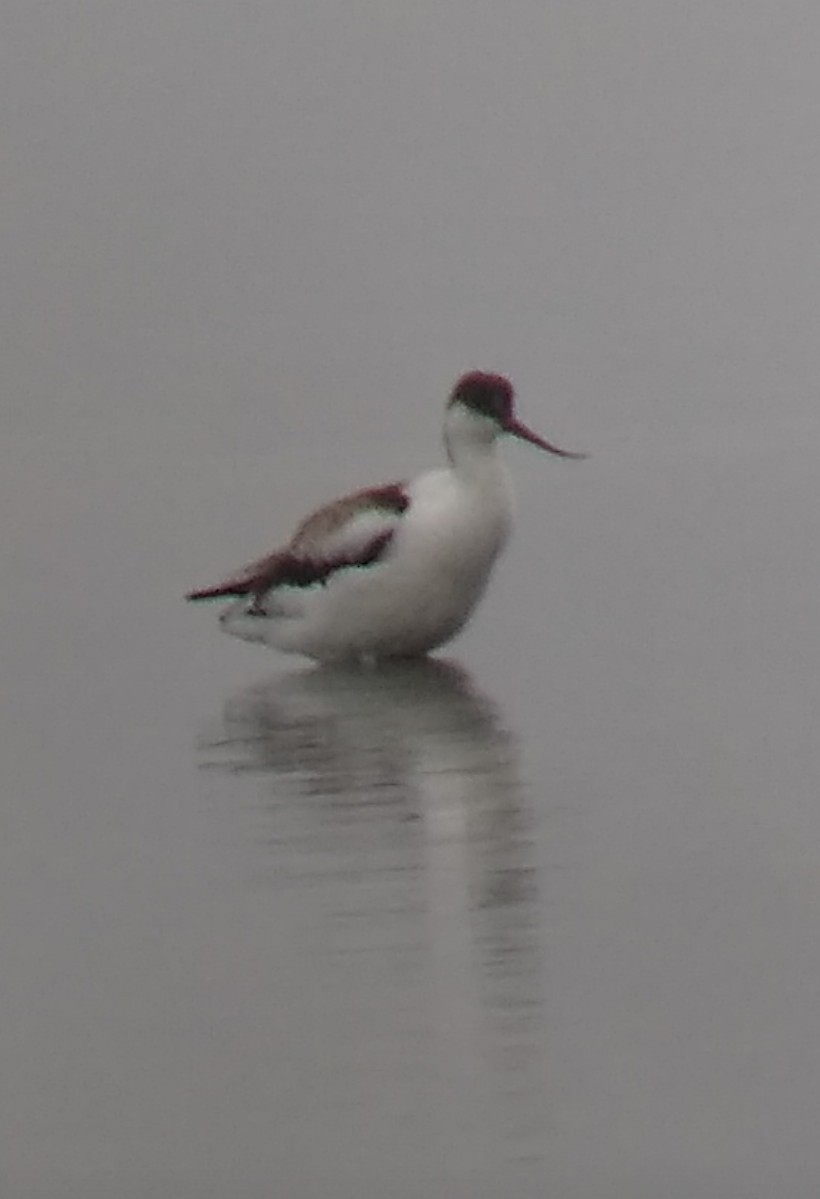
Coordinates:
413	740
395	791
348	730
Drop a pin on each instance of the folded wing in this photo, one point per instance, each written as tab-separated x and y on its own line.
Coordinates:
353	531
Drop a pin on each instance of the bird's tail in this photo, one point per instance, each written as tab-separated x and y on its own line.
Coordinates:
221	591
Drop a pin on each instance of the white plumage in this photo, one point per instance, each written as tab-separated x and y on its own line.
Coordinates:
392	571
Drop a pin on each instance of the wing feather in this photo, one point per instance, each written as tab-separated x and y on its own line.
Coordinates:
353	531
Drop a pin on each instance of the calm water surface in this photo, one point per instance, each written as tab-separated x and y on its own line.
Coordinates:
537	918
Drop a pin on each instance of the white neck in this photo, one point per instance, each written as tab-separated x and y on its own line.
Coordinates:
469	439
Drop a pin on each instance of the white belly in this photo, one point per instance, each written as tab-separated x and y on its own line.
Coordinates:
416	598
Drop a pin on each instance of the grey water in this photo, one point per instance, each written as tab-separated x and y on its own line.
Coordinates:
538	916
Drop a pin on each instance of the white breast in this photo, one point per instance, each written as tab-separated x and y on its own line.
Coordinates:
438	565
458	525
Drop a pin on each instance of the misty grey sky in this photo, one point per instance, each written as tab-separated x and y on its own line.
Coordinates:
215	211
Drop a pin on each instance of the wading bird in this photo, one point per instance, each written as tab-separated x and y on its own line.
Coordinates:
396	570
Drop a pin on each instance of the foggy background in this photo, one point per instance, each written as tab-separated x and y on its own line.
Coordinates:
246	250
229	217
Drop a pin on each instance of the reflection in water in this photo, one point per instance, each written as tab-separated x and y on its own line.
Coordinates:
395	791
